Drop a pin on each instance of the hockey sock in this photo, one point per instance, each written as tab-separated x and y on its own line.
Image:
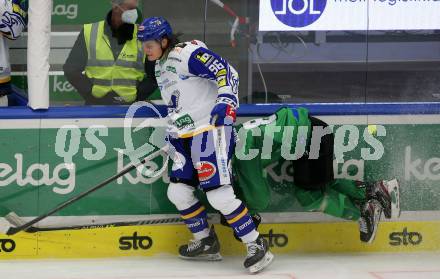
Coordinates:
195	218
241	222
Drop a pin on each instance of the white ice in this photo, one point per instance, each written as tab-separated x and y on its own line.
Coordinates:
303	266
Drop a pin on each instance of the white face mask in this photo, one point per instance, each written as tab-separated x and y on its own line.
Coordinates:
130	16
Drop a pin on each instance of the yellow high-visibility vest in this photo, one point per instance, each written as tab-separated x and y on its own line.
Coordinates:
107	73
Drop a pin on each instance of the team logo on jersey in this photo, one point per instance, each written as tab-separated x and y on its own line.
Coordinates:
222	72
171	69
221	81
203	57
184	122
205	170
221	78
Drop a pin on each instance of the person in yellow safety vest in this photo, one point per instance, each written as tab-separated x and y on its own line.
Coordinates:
13	19
106	64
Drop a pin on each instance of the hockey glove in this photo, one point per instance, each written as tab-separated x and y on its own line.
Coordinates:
223	114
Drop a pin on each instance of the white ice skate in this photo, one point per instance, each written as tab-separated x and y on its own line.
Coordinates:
388	195
259	256
394	191
206	249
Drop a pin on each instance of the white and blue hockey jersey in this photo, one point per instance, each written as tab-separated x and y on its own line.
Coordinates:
13	20
13	15
192	79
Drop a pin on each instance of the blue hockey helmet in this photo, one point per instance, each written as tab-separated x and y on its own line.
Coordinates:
154	28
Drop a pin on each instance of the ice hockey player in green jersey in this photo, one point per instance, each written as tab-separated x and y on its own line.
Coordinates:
314	186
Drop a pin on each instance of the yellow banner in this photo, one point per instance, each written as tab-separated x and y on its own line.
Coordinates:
165	239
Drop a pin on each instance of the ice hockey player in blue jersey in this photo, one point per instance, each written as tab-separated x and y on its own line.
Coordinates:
201	90
13	20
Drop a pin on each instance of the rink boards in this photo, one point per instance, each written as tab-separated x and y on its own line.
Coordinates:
283	238
34	178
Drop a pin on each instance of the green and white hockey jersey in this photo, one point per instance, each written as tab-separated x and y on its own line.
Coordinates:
260	143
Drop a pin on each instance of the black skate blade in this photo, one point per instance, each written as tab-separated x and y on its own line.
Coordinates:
205	257
263	263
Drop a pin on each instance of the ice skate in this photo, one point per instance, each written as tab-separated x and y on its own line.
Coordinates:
387	193
258	256
394	191
368	223
206	249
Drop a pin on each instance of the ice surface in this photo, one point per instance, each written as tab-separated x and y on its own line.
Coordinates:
308	266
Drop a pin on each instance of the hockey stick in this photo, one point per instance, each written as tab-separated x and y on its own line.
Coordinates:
9	230
17	221
238	19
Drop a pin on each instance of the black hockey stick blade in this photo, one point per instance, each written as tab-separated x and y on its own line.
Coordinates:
15	220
